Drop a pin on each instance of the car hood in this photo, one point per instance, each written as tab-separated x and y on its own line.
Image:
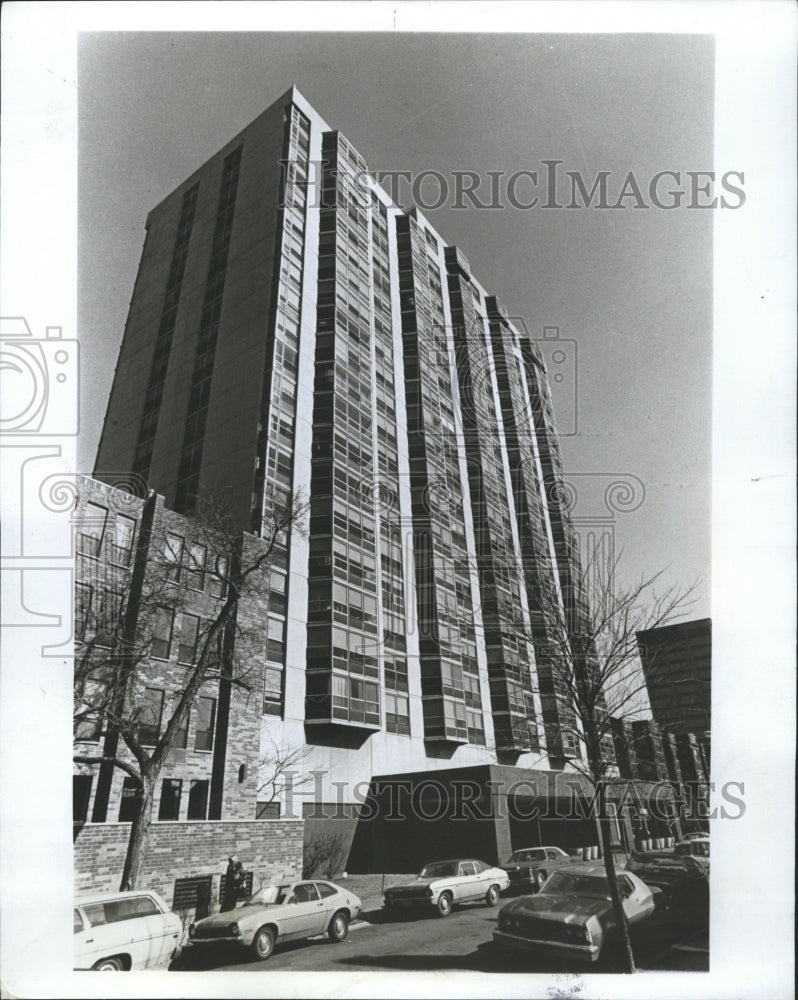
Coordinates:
416	883
240	914
561	909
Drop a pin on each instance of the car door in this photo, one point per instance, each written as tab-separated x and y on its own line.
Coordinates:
303	912
108	933
330	900
468	885
84	951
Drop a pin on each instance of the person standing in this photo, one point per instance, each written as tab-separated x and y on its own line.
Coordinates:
234	883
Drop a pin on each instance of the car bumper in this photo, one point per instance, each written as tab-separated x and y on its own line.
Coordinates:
199	942
585	952
413	902
516	881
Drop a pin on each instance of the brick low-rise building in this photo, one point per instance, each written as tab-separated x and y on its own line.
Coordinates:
149	576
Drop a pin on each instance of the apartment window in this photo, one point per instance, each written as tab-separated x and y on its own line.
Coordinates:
109	618
198	800
171	789
277	581
82	608
92	529
181	734
206	719
275	647
162	633
150	715
272	691
189	636
195	572
173	555
124	530
81	793
217	586
93	697
397	713
128	804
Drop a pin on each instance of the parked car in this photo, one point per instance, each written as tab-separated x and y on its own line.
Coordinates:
118	931
275	913
441	885
531	866
572	914
680	881
695	847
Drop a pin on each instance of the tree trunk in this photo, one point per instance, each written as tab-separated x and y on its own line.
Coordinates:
609	863
139	835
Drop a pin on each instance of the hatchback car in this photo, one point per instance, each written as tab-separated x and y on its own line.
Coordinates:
118	931
276	913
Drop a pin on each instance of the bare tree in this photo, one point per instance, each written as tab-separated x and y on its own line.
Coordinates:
324	854
281	770
594	660
112	667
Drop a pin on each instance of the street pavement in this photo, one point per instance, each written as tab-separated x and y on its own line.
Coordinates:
462	941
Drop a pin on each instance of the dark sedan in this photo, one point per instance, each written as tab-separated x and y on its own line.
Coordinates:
529	867
572	914
681	881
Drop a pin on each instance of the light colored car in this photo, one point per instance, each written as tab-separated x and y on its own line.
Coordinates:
695	847
288	911
572	914
117	931
444	884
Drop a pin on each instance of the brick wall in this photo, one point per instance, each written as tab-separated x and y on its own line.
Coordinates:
271	849
239	743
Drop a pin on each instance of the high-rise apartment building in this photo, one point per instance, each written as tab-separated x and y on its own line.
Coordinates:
677	662
293	330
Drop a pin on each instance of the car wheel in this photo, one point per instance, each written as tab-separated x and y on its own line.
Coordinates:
492	895
339	926
113	964
263	943
444	904
540	878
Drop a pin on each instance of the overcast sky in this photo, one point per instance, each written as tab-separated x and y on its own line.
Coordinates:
632	288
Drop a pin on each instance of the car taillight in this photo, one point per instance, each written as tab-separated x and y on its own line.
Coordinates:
235	930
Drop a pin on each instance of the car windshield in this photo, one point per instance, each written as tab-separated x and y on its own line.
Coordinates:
517	856
561	883
699	848
267	895
440	869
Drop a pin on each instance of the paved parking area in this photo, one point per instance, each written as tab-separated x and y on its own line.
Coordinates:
424	943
